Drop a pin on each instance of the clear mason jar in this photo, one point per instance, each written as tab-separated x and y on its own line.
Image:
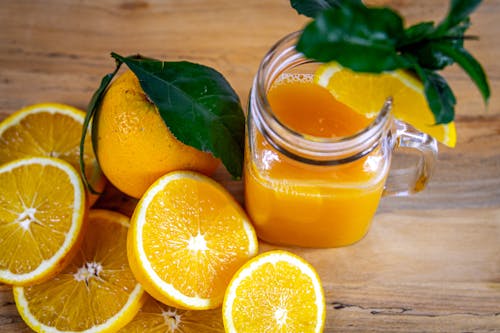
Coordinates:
321	192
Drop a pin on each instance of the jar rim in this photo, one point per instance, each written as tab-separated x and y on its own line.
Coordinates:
308	148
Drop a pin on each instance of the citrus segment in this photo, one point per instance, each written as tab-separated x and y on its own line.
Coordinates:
188	237
366	93
274	292
96	292
134	146
157	317
42	206
49	130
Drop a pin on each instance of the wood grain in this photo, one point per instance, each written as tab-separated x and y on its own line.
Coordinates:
430	263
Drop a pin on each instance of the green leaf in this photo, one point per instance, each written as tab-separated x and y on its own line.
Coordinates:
428	55
439	96
420	41
417	42
311	8
197	104
94	103
470	65
360	38
417	33
459	11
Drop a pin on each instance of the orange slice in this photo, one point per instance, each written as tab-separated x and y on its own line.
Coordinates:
42	206
187	238
155	317
366	93
96	292
49	130
276	291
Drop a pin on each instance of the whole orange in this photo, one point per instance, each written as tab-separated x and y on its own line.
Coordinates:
134	147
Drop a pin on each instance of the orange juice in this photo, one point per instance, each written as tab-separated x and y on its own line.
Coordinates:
298	203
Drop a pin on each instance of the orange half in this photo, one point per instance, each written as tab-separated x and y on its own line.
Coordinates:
50	130
187	238
42	208
276	291
96	292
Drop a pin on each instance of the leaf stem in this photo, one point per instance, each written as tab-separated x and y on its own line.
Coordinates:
91	110
424	41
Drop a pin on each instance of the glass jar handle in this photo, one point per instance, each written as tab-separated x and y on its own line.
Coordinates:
403	181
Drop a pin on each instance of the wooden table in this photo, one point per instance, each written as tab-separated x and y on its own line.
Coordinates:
431	263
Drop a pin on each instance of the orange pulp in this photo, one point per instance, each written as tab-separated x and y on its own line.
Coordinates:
294	203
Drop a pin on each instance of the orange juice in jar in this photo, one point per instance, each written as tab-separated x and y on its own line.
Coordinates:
315	169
